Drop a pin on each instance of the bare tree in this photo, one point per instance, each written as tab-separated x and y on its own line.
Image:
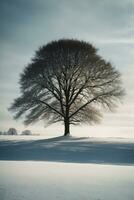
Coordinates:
12	131
26	132
67	81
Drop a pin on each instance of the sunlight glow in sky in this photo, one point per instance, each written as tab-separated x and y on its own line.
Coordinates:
28	24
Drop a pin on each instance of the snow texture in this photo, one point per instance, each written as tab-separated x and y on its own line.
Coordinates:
69	149
80	168
65	181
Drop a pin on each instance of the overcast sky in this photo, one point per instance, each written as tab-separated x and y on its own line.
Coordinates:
27	24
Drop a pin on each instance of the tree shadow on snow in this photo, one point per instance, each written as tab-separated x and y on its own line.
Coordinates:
69	149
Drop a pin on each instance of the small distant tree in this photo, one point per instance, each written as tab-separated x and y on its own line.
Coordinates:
26	132
3	133
12	131
67	81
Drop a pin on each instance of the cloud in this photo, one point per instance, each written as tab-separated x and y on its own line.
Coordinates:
39	21
27	24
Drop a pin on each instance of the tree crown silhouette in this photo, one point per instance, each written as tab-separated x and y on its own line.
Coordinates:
67	81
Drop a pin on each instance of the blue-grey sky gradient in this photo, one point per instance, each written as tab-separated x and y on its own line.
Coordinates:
28	24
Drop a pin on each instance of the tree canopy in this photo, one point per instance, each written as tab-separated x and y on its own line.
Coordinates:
67	81
12	131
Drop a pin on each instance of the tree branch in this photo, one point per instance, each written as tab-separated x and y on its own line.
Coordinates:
95	98
79	92
50	107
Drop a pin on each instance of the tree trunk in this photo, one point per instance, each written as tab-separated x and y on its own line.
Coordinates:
67	127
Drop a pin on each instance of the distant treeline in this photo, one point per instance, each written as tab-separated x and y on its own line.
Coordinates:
13	131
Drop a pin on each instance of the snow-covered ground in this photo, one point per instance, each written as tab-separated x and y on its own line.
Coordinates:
26	180
80	168
68	149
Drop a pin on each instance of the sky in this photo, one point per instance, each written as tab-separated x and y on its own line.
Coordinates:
28	24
